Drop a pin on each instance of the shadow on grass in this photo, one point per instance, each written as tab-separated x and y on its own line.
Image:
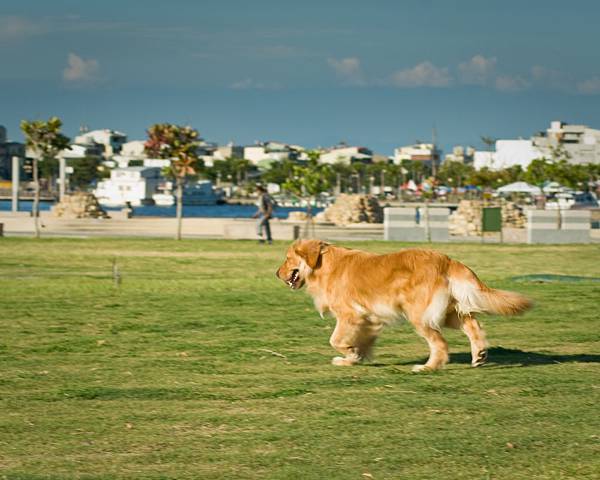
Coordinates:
517	358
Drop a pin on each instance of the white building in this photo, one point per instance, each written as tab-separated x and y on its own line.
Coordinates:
77	151
461	154
134	149
346	154
228	151
419	152
133	153
581	142
132	184
111	140
508	154
268	152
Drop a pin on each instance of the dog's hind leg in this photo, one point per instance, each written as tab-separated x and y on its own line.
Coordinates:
476	336
438	349
428	316
423	322
354	338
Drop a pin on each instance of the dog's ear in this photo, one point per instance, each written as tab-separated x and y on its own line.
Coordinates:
309	250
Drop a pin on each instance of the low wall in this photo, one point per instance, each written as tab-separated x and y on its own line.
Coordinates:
553	226
400	224
22	224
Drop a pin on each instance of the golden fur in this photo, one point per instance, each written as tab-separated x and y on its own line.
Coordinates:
365	291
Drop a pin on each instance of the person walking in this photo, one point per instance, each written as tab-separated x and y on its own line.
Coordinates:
264	213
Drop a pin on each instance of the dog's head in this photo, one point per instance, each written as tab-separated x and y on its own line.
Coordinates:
302	257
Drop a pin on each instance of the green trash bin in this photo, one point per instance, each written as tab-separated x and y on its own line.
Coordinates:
491	221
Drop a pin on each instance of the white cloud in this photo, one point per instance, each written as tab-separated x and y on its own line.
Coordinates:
477	71
348	69
12	27
80	70
549	78
425	74
508	83
591	86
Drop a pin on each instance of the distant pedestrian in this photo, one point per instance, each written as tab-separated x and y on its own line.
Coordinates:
264	213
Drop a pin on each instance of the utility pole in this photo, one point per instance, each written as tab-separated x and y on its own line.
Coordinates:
433	150
62	169
15	183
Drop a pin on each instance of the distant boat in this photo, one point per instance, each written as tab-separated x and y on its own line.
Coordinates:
131	185
163	199
201	193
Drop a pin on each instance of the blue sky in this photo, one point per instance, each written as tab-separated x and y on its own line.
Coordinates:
380	73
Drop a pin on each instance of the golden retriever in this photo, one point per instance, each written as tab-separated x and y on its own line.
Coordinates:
365	292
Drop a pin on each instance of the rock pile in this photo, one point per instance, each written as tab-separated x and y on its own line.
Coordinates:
297	216
466	219
354	209
79	205
513	216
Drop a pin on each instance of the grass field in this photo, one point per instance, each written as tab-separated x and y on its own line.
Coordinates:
202	365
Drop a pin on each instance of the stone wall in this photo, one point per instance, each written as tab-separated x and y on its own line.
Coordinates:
349	209
466	219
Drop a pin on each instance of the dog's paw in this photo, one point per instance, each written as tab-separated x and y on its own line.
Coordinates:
343	361
481	359
421	368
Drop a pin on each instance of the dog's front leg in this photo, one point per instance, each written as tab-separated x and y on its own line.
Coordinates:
354	338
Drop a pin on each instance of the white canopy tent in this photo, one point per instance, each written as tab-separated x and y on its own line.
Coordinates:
520	187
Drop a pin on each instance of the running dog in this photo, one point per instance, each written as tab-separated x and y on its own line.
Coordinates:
365	292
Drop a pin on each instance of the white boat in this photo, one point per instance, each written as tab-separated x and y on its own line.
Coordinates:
200	193
131	185
163	199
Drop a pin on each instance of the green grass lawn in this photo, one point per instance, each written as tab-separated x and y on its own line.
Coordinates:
201	365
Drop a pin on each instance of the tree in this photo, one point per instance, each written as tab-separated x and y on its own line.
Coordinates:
308	182
232	168
485	177
45	141
85	171
178	144
538	171
279	172
454	174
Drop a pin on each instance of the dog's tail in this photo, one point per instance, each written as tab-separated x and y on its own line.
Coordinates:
472	295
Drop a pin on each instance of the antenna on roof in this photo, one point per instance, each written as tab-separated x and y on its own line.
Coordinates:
433	150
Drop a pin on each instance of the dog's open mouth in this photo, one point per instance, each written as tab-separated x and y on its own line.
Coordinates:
294	277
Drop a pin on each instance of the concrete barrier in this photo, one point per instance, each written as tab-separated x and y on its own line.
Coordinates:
409	224
553	226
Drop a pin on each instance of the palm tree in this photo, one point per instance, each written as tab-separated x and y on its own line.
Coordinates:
178	144
44	141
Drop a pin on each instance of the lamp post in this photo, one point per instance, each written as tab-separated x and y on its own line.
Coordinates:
62	174
15	183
